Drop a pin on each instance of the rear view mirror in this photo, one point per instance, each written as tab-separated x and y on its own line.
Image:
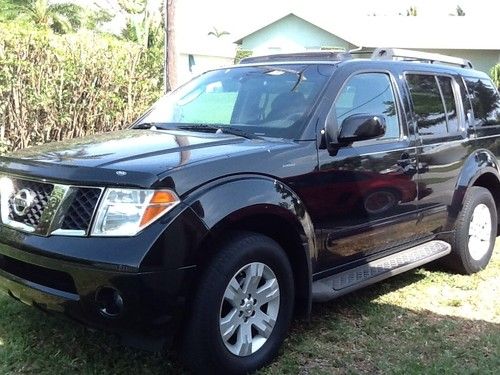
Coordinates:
361	127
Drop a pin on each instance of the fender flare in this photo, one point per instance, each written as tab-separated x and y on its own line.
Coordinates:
480	162
240	196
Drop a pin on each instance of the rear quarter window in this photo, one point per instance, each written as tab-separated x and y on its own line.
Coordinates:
485	101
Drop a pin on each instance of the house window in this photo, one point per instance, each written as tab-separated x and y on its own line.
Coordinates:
191	63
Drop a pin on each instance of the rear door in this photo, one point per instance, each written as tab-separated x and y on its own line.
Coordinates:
443	139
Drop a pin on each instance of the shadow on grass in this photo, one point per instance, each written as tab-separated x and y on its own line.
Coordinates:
358	334
387	339
32	341
354	333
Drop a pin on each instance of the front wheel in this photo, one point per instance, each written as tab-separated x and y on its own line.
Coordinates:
475	232
242	309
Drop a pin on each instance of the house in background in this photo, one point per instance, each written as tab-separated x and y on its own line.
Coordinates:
454	36
197	57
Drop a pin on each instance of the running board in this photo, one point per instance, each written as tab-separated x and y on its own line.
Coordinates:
347	281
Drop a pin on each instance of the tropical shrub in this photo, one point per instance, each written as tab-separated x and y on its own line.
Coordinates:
54	87
495	75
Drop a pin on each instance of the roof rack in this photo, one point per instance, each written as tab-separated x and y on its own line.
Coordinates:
305	56
410	55
374	54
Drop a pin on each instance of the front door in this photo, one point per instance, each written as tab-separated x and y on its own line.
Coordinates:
366	193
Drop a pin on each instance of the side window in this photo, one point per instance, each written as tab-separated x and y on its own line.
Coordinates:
466	103
369	93
427	104
485	101
449	102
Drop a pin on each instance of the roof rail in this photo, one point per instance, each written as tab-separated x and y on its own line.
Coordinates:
305	56
410	55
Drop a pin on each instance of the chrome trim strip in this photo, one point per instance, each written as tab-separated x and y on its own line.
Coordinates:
17	225
68	232
57	197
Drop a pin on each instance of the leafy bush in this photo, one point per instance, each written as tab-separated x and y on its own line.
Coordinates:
241	54
495	75
56	87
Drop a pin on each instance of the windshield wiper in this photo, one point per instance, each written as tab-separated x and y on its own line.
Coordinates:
217	129
236	131
156	125
199	127
222	129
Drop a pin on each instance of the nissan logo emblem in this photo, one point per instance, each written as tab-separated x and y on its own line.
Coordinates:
23	200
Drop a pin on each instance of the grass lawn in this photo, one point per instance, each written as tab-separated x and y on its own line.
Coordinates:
424	321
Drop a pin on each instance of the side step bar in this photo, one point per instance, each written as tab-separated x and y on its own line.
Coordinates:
347	281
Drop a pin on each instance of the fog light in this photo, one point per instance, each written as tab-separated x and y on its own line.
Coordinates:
109	302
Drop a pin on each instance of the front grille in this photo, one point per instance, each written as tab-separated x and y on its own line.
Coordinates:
44	208
41	193
81	210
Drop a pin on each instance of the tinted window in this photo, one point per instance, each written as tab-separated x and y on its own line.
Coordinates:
369	93
427	104
466	103
449	102
485	101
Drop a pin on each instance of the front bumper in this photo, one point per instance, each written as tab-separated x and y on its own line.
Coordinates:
152	302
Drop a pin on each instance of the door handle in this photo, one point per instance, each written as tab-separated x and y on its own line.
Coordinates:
407	163
406	159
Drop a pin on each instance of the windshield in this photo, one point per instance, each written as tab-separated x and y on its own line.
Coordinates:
271	100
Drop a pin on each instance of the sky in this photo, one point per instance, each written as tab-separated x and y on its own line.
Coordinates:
247	10
238	16
195	18
233	8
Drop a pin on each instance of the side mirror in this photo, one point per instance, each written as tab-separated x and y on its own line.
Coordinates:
361	127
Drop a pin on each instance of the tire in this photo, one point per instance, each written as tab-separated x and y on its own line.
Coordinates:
204	349
475	232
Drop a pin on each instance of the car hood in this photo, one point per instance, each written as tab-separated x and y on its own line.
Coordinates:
134	156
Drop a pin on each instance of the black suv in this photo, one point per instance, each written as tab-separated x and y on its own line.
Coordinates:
245	195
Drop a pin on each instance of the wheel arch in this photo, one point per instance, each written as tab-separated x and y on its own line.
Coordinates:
492	183
262	205
480	169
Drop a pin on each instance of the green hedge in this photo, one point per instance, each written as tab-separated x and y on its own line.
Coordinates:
55	87
495	74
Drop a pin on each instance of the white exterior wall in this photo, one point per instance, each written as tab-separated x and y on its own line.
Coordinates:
202	64
481	59
291	33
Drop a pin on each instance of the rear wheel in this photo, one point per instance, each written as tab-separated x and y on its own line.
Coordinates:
475	232
242	309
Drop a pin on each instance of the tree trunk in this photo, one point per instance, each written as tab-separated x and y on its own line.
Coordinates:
170	47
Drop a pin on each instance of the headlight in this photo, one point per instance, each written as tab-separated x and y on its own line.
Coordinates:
125	212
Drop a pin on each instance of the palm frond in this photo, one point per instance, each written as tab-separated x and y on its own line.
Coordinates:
60	24
72	12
